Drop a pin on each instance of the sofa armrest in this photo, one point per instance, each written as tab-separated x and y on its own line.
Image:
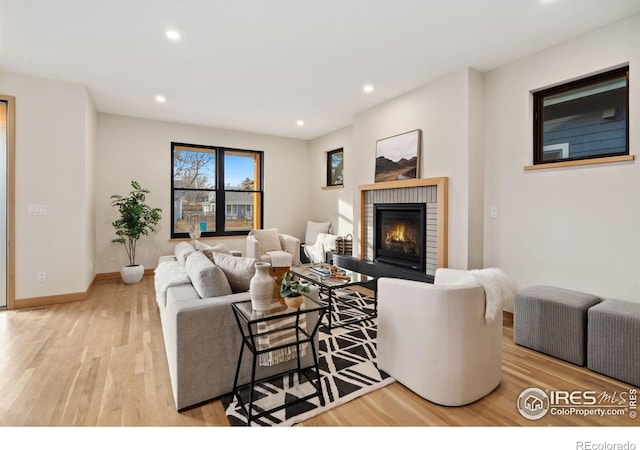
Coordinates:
253	248
447	277
291	245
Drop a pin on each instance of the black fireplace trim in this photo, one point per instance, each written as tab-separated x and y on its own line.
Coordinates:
420	263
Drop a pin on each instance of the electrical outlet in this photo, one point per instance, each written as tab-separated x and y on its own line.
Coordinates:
42	276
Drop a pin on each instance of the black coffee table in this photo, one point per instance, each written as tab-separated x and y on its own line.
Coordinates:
352	308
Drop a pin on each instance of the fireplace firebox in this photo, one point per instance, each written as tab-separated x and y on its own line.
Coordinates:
399	234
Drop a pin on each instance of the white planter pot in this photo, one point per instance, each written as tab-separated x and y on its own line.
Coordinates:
261	287
132	274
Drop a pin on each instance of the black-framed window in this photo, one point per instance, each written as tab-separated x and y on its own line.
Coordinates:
217	189
335	167
583	119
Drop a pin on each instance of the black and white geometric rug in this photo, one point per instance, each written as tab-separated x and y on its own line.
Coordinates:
348	370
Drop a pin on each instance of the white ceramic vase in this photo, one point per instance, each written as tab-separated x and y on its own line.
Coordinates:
132	274
261	287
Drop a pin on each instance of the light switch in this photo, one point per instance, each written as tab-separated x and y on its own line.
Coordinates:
493	212
37	210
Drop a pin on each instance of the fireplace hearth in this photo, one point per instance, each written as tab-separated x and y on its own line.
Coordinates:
399	234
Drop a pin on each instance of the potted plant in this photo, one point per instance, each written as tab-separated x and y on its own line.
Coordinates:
292	290
137	219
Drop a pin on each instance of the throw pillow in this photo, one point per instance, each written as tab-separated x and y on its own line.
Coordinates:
238	269
220	248
207	279
269	239
313	228
182	251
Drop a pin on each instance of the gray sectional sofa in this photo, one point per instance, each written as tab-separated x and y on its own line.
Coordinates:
201	336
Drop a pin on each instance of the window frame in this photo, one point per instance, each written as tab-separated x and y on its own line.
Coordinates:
538	106
220	191
329	168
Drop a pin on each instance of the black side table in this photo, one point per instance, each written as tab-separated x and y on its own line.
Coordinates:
249	322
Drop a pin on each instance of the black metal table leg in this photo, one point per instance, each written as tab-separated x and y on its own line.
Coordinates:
251	388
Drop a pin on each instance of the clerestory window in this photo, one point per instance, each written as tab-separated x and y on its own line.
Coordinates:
583	119
335	167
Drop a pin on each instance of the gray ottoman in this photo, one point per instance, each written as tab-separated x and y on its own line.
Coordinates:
614	340
552	320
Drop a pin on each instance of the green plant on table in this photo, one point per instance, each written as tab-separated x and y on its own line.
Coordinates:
291	287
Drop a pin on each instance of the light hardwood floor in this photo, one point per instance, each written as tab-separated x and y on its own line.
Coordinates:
101	362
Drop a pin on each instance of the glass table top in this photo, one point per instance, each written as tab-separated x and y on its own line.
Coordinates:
342	277
277	310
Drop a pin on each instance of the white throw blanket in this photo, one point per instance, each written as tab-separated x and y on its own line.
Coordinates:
499	289
324	243
168	273
280	258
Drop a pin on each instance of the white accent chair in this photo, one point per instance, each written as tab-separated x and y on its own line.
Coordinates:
276	248
434	338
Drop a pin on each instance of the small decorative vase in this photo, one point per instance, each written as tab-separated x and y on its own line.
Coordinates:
132	274
261	287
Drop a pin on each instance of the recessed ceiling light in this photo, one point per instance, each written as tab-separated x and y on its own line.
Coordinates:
161	98
547	1
368	88
172	35
300	123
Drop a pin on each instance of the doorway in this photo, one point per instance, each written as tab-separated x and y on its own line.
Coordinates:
7	141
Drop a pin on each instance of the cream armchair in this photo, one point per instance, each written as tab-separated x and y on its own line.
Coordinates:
435	339
270	246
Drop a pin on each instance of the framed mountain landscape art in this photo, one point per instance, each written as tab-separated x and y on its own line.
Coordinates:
398	157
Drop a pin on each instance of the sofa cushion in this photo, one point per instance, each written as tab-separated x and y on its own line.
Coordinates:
207	279
210	251
220	248
269	239
238	269
182	250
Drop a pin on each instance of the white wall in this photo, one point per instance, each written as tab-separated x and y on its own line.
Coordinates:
138	149
52	146
332	204
442	111
577	228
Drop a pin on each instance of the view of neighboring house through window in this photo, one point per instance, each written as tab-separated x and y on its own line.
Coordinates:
582	119
335	167
217	189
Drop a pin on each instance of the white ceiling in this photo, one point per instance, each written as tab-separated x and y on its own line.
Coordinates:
261	65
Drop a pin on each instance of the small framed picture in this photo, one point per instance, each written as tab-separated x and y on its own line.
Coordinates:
398	157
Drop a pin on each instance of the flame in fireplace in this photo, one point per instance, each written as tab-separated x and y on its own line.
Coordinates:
400	234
